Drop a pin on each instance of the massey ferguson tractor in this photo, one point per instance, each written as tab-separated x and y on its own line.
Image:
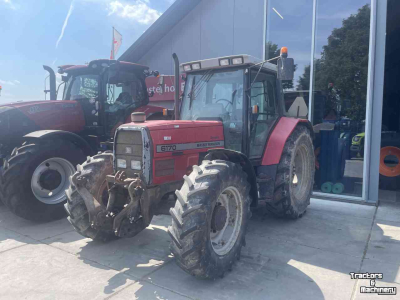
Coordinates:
42	142
231	144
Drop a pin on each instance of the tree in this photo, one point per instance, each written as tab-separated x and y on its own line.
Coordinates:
342	71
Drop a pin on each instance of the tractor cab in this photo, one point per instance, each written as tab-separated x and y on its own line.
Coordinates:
108	91
242	92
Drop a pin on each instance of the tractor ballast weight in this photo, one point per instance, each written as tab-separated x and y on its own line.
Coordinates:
233	146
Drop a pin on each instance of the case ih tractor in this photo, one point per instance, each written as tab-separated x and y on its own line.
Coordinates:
233	146
42	142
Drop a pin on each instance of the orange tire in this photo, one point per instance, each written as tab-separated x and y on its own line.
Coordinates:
385	170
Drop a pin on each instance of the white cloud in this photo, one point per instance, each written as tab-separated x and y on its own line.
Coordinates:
10	4
71	7
9	82
138	11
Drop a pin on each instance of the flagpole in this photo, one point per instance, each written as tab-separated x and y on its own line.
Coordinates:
112	44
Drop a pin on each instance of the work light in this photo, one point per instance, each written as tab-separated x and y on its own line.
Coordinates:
121	163
224	62
135	165
196	66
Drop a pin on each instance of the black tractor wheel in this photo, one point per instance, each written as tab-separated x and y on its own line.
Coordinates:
209	219
95	170
295	176
34	179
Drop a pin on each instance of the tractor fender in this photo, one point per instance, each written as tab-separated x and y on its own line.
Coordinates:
64	135
279	136
238	158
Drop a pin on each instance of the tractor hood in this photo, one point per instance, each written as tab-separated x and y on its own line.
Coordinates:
52	115
173	124
168	145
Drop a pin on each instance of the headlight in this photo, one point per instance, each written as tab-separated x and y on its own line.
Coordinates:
121	163
135	165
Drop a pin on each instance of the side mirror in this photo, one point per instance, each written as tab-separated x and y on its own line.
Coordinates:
151	94
285	68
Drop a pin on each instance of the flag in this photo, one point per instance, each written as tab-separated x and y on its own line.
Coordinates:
116	43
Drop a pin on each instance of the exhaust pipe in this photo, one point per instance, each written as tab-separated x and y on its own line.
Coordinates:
177	89
52	78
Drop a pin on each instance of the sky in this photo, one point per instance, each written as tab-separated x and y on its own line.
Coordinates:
34	33
57	32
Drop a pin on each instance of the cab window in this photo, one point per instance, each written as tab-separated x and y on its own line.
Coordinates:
83	87
263	95
124	90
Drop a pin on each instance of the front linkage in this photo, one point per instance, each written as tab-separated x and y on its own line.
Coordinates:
124	220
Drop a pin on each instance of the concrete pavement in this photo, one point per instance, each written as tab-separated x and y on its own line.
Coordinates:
310	258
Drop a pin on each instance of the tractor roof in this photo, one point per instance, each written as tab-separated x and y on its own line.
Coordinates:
225	62
95	65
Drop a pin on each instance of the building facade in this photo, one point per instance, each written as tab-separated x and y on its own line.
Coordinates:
339	51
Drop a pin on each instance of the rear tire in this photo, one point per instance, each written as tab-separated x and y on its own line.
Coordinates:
206	241
95	169
291	199
16	179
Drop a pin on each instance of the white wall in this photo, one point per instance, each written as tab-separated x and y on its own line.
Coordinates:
214	28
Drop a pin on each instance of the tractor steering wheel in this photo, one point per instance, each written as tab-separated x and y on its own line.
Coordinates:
229	102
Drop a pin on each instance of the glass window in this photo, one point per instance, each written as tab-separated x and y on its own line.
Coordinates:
289	24
340	94
83	87
216	96
124	89
263	94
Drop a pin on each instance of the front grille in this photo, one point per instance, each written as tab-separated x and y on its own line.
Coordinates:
133	140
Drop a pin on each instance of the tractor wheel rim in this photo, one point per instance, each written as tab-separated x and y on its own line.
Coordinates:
50	180
299	177
384	169
222	241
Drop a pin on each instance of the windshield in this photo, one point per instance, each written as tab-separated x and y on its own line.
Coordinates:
124	89
215	95
82	87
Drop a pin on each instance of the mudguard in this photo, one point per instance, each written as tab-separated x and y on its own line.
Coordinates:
66	135
241	159
278	138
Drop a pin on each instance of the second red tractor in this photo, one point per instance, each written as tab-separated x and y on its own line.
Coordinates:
232	144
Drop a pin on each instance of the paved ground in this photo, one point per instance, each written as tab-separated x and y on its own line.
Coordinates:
310	258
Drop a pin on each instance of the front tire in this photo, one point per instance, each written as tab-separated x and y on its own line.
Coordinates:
295	176
33	181
95	170
210	218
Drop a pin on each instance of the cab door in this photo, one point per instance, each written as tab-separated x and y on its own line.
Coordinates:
263	94
85	89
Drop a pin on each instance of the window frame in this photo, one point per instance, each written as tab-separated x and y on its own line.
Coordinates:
256	160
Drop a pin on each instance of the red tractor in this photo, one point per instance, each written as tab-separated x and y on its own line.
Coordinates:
233	146
41	142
